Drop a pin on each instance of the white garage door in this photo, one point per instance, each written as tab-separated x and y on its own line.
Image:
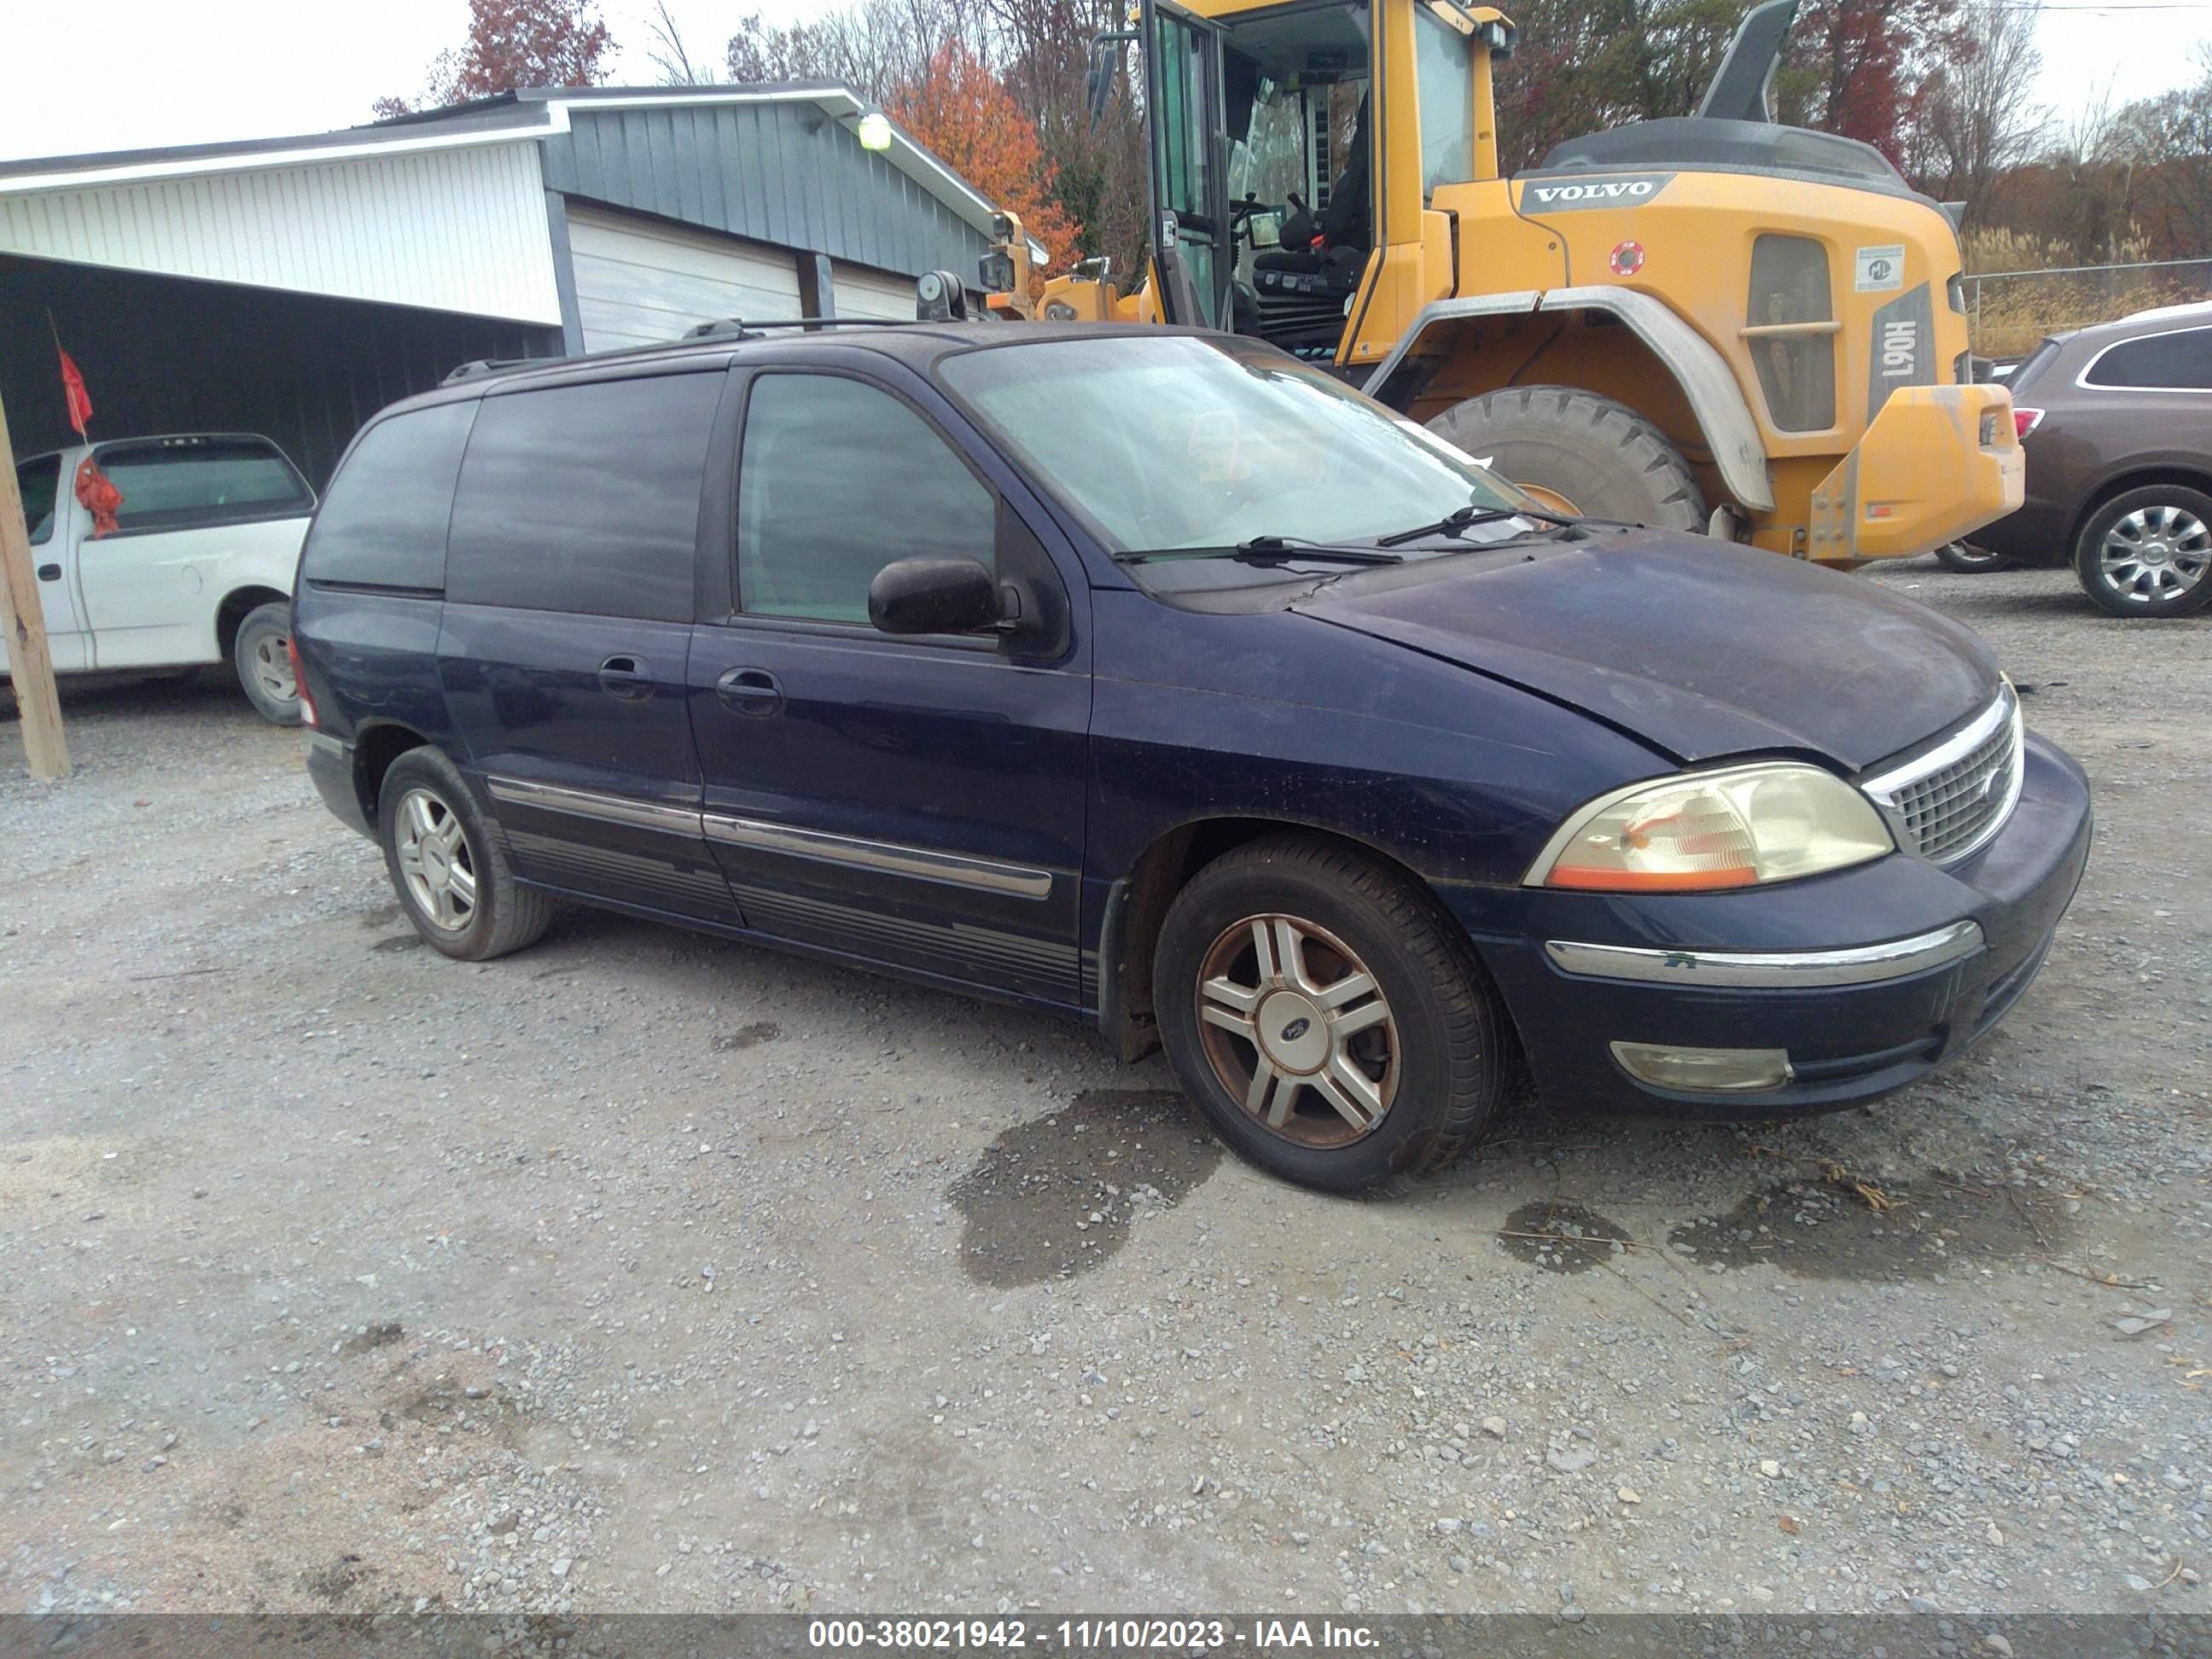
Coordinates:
863	291
639	282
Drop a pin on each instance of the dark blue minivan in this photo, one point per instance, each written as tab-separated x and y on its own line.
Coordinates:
1159	679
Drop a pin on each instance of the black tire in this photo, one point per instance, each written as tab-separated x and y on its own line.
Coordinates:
1601	456
2171	524
260	654
502	916
1445	1029
1970	560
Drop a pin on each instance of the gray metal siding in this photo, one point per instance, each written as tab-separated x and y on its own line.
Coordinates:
756	170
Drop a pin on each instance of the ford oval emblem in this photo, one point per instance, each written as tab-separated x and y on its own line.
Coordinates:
1297	1029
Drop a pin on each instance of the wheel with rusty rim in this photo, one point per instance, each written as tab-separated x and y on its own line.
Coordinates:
1331	1020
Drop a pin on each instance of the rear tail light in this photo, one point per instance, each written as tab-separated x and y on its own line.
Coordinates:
2024	421
300	682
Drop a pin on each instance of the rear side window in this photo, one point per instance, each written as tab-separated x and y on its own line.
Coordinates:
1795	350
836	480
383	523
37	481
585	498
2157	362
177	483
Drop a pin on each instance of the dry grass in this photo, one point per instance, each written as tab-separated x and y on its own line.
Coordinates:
2011	313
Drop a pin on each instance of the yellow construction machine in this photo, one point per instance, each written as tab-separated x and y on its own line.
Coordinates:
1711	322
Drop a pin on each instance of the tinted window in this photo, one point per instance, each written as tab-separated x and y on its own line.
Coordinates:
835	481
176	482
2158	362
585	498
383	523
38	483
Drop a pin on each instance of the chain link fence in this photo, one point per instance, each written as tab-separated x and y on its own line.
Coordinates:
2009	312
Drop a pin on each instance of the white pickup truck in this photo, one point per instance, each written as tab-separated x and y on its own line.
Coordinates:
198	568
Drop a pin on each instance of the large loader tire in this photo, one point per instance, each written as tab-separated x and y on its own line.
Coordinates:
1580	453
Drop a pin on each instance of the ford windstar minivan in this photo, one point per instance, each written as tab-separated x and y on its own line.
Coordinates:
1156	678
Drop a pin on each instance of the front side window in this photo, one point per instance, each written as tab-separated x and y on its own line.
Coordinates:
1179	443
1446	90
39	481
175	483
836	480
2157	362
585	498
383	521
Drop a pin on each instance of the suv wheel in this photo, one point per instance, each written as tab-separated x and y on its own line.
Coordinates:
261	654
446	867
1336	1029
2148	552
1969	560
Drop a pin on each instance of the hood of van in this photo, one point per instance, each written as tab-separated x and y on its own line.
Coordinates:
1700	649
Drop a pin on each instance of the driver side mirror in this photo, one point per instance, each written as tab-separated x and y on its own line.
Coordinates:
1105	58
935	596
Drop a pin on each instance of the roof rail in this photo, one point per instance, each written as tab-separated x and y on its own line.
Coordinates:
477	365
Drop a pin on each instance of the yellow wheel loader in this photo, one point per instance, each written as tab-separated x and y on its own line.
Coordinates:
1711	323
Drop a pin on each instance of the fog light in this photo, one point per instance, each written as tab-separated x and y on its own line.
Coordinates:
1705	1071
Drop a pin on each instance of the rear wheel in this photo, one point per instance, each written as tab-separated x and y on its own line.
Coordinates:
261	654
1335	1027
446	866
1969	560
2148	552
1579	452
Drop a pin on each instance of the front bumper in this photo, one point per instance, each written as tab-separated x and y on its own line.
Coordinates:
1869	978
1937	463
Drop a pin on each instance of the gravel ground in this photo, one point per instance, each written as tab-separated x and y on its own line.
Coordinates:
644	1270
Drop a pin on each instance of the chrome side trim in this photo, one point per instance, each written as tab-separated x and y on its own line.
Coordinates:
1770	969
955	868
591	803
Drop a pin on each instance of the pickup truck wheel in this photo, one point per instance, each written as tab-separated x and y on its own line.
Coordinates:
1565	444
1332	1024
446	866
262	656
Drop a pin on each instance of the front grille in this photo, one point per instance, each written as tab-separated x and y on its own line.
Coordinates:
1951	800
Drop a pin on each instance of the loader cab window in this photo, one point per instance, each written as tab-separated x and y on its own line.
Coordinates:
1446	89
1302	122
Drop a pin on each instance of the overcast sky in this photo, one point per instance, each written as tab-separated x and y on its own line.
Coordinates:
132	74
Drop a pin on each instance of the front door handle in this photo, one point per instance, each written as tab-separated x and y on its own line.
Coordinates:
49	573
750	691
629	679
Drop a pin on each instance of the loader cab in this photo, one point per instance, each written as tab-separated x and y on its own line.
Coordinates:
1268	125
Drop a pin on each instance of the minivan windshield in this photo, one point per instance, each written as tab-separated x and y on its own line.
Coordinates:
1198	444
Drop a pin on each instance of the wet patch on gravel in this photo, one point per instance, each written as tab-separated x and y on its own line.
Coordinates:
406	941
1057	1197
1561	1238
1840	1228
748	1037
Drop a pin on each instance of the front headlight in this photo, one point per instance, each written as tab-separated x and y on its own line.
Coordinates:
1706	830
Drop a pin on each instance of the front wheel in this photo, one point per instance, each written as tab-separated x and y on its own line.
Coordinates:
1969	560
2148	552
1332	1024
262	655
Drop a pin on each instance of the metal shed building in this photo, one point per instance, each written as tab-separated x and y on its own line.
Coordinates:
294	286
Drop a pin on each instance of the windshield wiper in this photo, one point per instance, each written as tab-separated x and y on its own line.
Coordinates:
1459	518
1268	550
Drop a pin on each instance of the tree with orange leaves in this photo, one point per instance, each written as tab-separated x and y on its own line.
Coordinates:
964	114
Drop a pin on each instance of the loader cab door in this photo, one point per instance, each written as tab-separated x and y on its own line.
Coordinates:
1183	99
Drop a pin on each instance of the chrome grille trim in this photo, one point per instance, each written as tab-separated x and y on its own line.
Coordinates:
1948	803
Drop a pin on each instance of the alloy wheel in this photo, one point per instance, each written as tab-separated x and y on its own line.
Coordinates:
1297	1028
435	860
2155	554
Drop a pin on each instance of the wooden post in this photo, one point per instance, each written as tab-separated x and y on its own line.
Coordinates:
30	665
